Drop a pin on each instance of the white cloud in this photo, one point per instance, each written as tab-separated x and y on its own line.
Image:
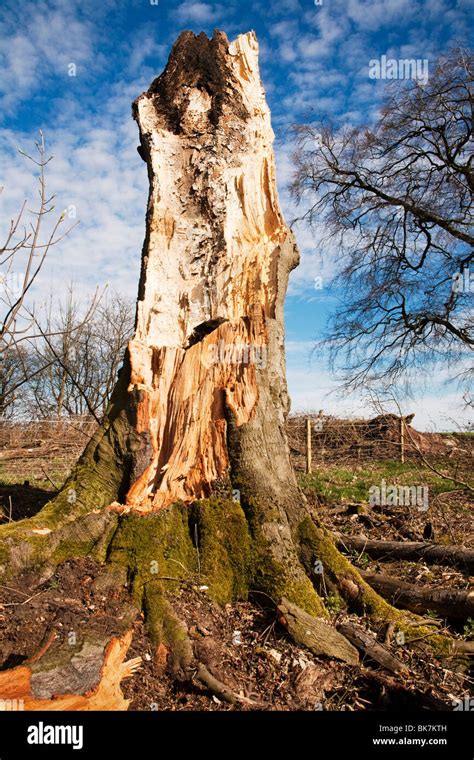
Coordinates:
373	14
97	174
146	46
36	44
199	13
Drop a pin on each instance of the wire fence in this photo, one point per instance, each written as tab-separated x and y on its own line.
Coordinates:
321	439
42	449
47	449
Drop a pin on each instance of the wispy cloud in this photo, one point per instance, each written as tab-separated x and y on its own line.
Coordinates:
37	44
201	13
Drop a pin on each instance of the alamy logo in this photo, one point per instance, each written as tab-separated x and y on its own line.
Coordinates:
238	353
405	68
9	705
463	282
466	703
41	734
399	496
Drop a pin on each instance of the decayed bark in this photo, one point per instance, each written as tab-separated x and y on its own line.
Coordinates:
199	409
369	646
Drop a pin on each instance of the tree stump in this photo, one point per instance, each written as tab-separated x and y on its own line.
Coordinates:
189	474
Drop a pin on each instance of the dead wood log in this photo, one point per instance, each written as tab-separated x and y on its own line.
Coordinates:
88	681
396	695
367	644
458	556
315	634
221	690
449	603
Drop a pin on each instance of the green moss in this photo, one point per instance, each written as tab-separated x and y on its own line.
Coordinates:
163	624
316	544
88	546
302	593
277	578
88	535
225	550
155	546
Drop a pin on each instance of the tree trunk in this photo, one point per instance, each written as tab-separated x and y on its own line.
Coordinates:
189	475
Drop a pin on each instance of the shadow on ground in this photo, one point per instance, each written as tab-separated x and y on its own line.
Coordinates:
18	501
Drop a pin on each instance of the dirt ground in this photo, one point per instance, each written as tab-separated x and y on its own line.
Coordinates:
241	644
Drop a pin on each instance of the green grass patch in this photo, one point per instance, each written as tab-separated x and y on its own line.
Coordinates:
334	484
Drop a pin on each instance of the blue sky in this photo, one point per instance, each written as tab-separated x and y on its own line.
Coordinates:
314	62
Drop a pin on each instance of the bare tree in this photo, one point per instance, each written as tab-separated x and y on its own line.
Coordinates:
21	258
15	364
79	358
396	198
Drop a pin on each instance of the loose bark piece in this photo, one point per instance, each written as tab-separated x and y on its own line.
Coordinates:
458	556
89	681
450	603
315	634
367	643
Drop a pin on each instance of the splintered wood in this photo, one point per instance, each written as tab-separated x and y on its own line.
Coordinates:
211	271
94	684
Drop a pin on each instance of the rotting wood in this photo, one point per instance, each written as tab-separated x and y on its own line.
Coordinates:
458	556
105	665
367	643
449	603
315	634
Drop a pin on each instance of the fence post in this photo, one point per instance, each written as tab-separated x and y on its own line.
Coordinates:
308	445
402	439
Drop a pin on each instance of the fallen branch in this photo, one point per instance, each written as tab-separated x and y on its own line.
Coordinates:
221	690
396	693
449	603
410	550
367	644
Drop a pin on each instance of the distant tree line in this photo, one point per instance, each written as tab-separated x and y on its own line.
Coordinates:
62	359
72	367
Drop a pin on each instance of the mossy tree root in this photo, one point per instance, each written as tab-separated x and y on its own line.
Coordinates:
219	543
